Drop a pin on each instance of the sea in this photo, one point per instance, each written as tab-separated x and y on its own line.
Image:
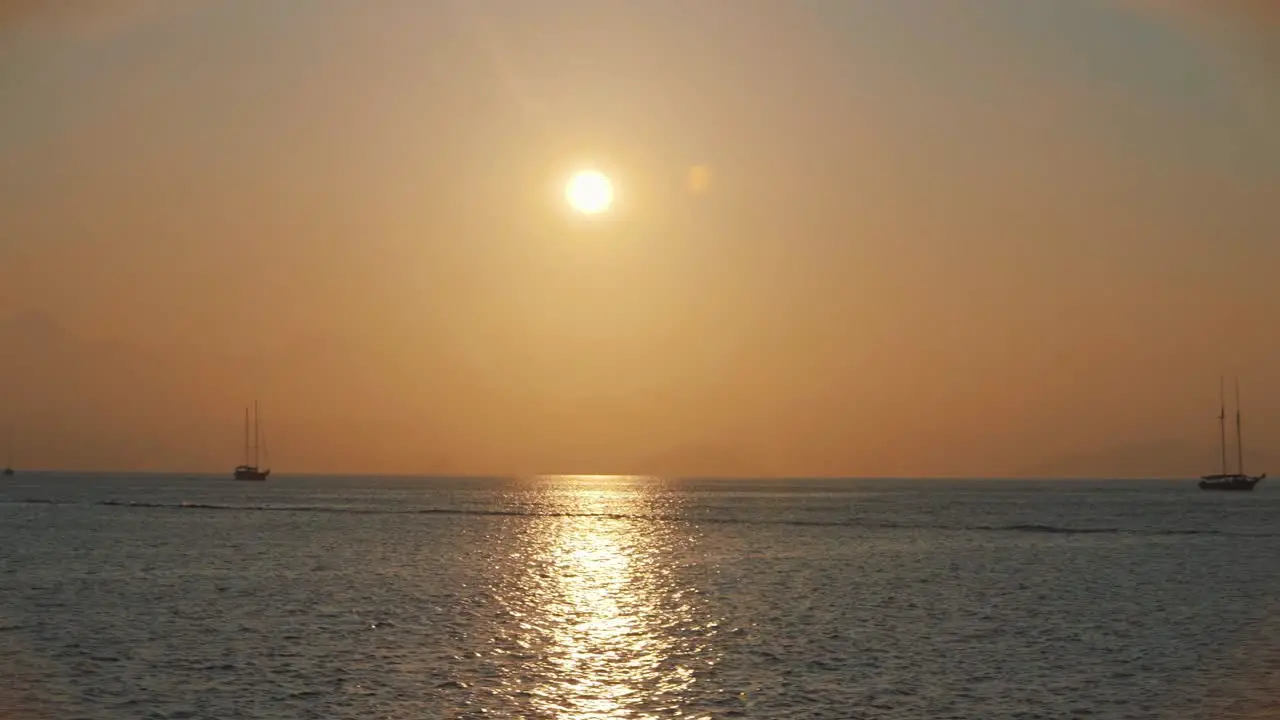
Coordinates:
574	597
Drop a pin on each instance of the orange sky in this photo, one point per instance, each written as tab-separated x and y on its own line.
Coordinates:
960	241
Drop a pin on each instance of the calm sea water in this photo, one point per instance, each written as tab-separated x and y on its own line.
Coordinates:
582	597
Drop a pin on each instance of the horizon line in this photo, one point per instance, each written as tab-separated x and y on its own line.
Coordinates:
203	474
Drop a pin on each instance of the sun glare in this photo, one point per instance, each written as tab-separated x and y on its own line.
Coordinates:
589	192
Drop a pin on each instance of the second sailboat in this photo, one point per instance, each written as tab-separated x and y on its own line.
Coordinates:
250	469
1227	480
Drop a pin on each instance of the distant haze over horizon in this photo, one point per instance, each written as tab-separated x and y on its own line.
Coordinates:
108	405
849	239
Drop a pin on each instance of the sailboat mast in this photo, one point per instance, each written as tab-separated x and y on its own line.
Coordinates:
262	440
1222	420
246	436
1239	436
255	433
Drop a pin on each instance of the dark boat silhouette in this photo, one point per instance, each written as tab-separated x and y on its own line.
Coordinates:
1233	481
1230	481
250	472
250	469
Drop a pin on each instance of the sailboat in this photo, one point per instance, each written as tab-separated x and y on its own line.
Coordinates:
1230	480
249	470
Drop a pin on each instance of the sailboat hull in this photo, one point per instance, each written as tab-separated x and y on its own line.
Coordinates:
1230	483
251	473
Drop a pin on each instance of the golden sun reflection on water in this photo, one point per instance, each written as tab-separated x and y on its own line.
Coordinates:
617	633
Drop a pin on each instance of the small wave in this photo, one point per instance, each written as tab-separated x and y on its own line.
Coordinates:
1055	529
530	513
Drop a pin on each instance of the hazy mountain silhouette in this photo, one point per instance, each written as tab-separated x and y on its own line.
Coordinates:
80	403
1155	459
83	403
64	15
705	460
335	404
33	331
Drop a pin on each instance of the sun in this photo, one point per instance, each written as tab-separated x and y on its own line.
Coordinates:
589	192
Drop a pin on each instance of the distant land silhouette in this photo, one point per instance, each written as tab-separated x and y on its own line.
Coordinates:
708	460
1155	459
332	405
106	404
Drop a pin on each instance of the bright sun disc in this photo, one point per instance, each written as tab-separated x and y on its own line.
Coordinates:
589	192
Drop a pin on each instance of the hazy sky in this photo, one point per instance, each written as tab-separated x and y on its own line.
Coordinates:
939	238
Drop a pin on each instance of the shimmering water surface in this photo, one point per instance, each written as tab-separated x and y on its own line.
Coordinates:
594	597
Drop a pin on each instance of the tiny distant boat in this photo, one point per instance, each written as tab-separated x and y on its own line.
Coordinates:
1230	481
250	469
8	471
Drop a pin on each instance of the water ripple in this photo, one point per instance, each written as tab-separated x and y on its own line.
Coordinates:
167	599
855	523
